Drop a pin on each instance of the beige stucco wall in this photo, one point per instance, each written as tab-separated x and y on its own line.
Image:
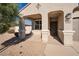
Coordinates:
76	26
48	7
44	9
31	9
61	27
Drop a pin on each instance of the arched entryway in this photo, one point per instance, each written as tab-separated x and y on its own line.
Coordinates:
36	21
36	26
56	24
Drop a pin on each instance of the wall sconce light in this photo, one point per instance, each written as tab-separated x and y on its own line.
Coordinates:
67	18
38	6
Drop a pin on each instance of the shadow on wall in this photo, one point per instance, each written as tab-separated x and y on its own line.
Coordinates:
13	41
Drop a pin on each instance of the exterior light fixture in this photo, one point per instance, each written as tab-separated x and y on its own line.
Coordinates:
67	18
38	6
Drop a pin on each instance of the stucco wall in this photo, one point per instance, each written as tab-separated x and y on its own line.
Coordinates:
76	26
49	7
45	8
32	9
61	27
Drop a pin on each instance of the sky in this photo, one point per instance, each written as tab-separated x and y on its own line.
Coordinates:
21	5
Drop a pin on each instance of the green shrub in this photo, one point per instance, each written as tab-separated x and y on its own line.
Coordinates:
3	27
11	31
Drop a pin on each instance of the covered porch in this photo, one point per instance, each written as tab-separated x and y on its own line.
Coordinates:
48	24
46	19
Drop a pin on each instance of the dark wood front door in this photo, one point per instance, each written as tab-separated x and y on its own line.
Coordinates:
53	28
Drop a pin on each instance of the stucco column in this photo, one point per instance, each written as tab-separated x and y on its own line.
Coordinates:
45	31
68	31
21	28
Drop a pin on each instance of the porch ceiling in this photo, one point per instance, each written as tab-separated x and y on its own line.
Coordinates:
33	17
55	14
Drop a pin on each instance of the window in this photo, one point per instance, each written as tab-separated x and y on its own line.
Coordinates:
38	25
28	22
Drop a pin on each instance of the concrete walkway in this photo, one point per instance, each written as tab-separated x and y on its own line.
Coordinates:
34	46
55	48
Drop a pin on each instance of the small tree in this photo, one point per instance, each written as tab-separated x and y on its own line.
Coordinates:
8	13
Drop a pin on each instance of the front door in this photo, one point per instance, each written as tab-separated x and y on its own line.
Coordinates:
53	28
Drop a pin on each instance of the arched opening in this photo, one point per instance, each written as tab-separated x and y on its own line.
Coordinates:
36	26
56	24
36	21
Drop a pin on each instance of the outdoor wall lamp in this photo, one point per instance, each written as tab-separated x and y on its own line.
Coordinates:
38	6
67	18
